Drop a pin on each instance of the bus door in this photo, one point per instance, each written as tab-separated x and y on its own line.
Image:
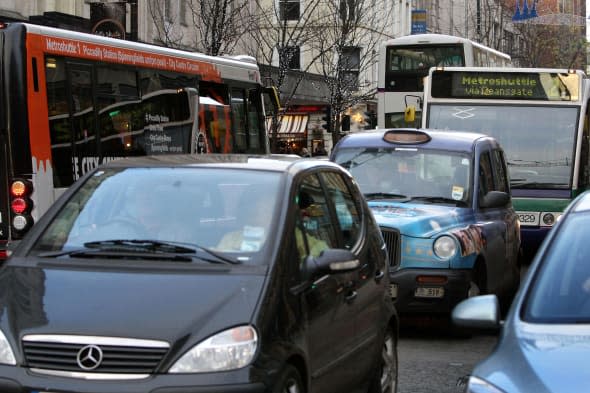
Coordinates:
82	119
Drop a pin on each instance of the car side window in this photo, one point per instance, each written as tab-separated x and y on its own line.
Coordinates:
486	179
315	231
345	206
500	171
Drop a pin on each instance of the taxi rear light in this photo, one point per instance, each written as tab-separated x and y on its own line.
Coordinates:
4	254
431	279
408	137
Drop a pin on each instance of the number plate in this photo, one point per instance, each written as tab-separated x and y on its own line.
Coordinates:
528	218
393	290
430	292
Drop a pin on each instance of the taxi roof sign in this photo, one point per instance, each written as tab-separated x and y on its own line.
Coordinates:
406	137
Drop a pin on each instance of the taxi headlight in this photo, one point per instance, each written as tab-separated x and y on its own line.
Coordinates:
445	247
6	354
231	349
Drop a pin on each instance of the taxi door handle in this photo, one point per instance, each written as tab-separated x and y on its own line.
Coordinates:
350	296
379	274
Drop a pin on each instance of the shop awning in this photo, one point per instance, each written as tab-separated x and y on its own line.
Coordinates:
290	124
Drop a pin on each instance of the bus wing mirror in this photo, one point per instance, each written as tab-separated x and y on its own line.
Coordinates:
410	114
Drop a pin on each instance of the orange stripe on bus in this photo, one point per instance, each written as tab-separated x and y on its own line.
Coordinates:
112	54
37	108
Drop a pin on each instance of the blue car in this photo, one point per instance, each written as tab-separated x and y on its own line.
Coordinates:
544	343
442	201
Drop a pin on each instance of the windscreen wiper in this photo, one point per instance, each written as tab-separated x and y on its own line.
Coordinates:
439	199
534	184
152	249
384	195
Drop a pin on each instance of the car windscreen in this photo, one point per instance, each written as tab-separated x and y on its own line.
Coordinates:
135	211
560	290
406	173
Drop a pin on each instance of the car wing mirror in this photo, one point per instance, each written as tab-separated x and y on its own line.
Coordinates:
332	260
479	312
495	199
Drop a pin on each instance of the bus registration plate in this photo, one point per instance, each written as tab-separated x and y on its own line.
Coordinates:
429	292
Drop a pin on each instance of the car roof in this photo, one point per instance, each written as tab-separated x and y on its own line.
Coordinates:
440	139
270	162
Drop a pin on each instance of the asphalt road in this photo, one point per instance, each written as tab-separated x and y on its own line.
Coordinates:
431	361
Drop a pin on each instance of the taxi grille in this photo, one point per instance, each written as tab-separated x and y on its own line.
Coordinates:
392	241
115	358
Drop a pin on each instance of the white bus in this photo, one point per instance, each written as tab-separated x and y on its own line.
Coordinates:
404	63
539	116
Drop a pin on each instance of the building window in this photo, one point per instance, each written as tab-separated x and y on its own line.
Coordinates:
289	9
290	57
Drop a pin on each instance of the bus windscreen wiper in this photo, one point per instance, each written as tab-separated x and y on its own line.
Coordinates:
151	249
535	185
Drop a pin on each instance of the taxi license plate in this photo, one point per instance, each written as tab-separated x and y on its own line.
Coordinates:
429	292
393	290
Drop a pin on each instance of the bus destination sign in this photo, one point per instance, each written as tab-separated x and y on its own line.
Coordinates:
543	86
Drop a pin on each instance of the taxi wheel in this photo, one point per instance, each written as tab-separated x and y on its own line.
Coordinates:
289	381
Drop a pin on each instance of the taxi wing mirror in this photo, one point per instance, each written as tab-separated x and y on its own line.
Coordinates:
495	199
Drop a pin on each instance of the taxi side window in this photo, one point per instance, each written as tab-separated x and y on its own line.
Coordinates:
345	206
486	178
315	231
500	171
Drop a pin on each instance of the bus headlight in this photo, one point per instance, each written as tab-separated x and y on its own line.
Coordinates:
548	219
445	247
231	349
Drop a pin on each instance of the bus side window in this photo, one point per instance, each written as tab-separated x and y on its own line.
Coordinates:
239	119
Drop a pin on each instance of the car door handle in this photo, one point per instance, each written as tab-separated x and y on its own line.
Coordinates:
350	296
379	274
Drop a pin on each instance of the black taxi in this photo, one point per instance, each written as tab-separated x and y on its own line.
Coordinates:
442	200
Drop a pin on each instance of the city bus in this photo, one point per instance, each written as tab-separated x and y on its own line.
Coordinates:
70	101
539	116
404	63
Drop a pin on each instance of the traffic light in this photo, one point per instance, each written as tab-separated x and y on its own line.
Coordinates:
21	206
345	123
327	119
370	120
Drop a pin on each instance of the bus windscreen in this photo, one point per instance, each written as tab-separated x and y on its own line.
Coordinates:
544	86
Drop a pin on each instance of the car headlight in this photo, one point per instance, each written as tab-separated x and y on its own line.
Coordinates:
445	247
476	385
231	349
6	354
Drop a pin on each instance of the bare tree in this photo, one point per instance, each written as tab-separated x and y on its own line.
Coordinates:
349	51
220	24
282	33
213	27
546	41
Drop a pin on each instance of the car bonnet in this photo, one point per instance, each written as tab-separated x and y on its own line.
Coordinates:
419	220
164	304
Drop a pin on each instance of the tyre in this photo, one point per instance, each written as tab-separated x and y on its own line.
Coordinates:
385	379
289	381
